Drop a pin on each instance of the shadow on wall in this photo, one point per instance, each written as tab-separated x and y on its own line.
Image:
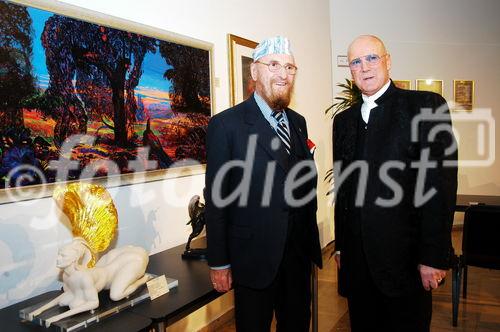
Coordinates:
17	257
133	227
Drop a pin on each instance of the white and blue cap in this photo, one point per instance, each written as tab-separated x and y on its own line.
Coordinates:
274	45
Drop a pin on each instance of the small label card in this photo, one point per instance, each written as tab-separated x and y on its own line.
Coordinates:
157	287
342	61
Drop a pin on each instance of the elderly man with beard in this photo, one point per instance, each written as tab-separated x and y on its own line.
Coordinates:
261	199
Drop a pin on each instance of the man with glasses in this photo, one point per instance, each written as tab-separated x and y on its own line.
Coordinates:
262	235
393	217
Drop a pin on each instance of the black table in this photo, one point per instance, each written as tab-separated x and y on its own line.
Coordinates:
124	321
464	201
194	291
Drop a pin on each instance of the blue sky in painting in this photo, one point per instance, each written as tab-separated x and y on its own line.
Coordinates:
153	65
39	67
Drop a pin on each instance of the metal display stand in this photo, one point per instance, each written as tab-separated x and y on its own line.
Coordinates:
106	308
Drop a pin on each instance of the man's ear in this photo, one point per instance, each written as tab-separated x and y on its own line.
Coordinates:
388	61
253	71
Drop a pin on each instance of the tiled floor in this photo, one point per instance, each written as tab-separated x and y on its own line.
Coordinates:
480	312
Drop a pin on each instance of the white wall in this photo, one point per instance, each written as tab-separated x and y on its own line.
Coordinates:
150	215
440	39
30	232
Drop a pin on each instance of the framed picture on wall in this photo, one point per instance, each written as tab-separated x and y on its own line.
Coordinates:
403	84
132	101
241	85
463	94
430	85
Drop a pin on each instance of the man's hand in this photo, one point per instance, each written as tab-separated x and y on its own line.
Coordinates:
222	280
431	277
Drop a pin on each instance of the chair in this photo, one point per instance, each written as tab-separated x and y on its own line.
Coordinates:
480	244
479	247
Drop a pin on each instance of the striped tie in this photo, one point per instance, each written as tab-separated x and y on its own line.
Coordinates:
282	129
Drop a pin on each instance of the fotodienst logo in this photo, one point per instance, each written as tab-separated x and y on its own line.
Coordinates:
474	133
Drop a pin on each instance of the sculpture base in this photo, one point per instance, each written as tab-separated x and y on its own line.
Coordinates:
107	307
199	254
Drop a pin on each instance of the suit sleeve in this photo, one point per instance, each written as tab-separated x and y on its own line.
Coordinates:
304	125
437	213
314	202
337	216
218	153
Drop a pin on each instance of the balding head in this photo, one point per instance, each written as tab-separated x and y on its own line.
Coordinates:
366	39
369	63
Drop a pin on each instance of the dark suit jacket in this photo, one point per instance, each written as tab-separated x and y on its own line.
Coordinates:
249	236
398	238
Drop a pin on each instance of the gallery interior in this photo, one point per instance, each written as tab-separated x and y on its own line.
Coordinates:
447	46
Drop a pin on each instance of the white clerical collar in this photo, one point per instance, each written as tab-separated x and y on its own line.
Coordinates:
370	100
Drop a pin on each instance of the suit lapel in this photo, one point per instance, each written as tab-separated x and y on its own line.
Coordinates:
258	125
381	125
301	150
379	131
351	132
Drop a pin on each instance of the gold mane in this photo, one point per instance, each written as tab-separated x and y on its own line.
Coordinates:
91	212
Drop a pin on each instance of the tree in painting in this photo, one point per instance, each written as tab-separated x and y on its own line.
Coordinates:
109	57
16	79
190	76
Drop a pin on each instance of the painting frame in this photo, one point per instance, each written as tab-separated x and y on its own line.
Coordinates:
82	14
402	84
463	95
431	85
239	49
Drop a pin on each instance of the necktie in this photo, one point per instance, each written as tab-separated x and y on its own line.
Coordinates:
282	129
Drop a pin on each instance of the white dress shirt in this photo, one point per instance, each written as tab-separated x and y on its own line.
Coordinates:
369	102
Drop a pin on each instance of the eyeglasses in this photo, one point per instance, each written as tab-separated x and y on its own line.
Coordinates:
370	59
275	66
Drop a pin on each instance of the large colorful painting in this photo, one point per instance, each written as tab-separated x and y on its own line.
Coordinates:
141	100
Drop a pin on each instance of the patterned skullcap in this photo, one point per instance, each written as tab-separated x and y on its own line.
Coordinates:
274	45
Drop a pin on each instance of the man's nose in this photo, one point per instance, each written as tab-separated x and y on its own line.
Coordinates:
364	65
282	73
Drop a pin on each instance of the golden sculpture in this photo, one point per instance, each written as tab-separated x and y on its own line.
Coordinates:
94	222
91	212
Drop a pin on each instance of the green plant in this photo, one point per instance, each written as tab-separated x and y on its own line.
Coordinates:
349	96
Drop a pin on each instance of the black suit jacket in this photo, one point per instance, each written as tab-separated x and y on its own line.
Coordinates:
396	238
249	235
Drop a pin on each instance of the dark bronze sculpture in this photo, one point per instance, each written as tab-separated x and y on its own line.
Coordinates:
197	214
